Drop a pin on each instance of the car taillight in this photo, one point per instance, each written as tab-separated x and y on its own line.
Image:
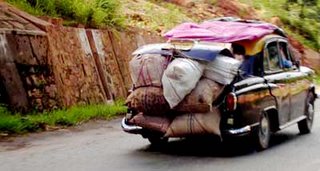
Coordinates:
231	102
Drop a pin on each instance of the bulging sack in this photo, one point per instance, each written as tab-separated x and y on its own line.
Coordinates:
201	98
180	78
222	69
147	69
148	100
154	123
195	124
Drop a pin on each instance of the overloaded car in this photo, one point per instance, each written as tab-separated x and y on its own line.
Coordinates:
222	77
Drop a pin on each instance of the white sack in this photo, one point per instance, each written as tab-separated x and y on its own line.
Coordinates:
147	69
222	69
180	78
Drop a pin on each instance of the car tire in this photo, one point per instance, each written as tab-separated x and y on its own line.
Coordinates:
157	141
306	124
263	133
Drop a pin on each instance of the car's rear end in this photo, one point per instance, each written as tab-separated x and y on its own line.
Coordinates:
190	98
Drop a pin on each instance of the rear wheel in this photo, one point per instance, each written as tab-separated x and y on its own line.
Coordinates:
306	124
263	133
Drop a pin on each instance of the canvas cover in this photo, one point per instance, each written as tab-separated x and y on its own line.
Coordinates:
221	31
199	51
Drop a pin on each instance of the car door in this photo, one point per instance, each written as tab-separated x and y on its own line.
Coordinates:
278	79
298	81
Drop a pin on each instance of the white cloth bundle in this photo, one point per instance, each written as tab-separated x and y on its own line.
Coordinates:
222	69
180	78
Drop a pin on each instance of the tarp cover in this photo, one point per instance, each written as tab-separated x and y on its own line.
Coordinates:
202	52
221	31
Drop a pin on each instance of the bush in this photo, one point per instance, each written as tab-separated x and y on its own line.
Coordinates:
91	13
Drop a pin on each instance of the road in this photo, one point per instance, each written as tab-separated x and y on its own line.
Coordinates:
103	146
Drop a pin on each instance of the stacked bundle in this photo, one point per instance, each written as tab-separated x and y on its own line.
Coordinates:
175	97
147	100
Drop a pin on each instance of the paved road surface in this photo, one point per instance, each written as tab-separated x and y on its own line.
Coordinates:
103	146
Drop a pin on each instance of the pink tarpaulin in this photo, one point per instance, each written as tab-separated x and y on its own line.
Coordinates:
221	31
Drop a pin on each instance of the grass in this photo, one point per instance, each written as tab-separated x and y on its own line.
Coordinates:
17	123
91	13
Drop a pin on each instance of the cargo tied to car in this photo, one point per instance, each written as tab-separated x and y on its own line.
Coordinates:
226	78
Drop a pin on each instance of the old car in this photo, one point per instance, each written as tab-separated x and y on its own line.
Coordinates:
277	92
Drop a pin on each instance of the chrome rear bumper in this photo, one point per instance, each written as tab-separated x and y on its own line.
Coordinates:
239	131
132	129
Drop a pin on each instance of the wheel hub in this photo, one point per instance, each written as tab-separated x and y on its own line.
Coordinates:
310	114
264	126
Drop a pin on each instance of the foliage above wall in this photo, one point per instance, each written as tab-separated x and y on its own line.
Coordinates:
91	13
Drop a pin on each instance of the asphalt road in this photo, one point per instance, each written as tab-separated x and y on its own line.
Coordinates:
103	146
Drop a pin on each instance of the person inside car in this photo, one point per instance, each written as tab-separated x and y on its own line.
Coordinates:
247	61
283	60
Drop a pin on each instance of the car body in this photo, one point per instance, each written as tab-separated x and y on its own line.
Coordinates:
271	98
274	98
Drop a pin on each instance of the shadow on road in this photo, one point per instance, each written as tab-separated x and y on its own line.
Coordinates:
213	147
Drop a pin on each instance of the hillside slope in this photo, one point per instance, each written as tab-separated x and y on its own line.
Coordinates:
300	21
303	36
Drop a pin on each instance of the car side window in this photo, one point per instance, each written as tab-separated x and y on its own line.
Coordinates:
272	60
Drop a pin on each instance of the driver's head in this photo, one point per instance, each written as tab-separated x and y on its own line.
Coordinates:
238	51
273	51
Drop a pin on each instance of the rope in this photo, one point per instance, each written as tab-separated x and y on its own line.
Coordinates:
141	73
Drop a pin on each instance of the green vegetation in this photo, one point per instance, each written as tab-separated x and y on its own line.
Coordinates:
17	123
91	13
155	15
301	18
317	79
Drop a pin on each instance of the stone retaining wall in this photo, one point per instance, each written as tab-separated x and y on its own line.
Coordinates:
45	66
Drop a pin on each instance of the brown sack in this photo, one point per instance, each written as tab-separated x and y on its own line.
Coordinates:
201	98
147	69
159	124
195	124
148	100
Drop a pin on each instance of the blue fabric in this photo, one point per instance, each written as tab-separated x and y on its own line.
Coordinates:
286	63
247	66
204	52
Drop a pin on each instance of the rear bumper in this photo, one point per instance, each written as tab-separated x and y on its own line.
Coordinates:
240	131
132	129
246	130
